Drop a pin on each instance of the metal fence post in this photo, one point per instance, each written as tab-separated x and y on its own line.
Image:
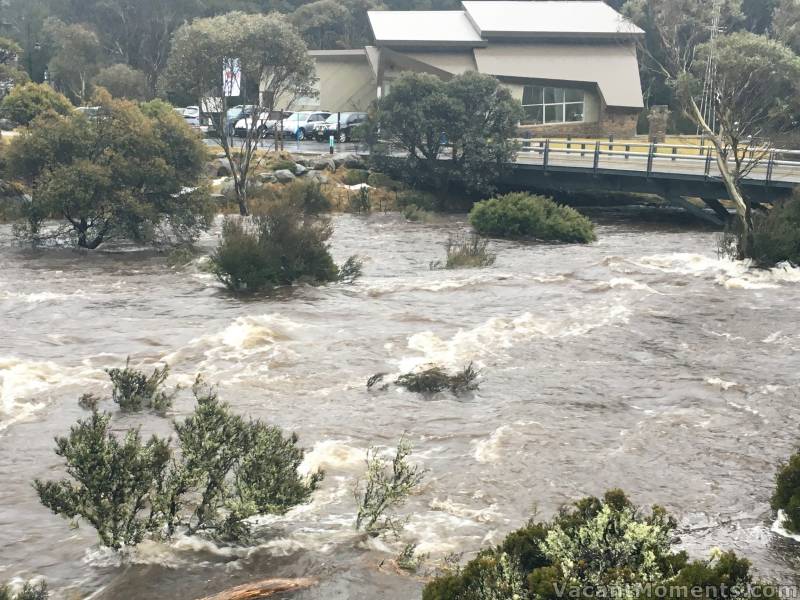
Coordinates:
546	153
770	166
708	163
627	149
596	156
650	160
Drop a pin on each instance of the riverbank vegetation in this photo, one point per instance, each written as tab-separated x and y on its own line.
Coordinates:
465	252
134	390
26	102
130	174
522	215
221	470
596	546
279	246
786	496
28	591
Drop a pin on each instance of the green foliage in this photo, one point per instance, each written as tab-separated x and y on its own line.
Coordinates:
381	180
224	470
522	215
29	591
386	487
76	58
471	118
133	390
278	163
412	212
422	200
123	81
278	247
596	547
776	237
112	482
130	173
786	23
355	176
466	251
358	200
333	24
26	102
409	560
351	269
786	496
435	379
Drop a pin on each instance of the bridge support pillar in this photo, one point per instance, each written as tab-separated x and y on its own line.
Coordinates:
681	202
718	208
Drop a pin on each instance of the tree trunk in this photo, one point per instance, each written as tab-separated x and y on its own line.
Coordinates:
262	589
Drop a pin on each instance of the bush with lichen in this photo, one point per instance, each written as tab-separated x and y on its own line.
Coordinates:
523	215
222	470
596	546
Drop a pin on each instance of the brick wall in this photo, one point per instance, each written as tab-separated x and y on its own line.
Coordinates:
619	122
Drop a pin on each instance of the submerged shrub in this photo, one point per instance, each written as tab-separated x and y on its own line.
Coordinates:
223	470
385	488
29	591
422	200
134	390
786	496
466	251
435	379
522	215
776	234
277	247
412	212
596	547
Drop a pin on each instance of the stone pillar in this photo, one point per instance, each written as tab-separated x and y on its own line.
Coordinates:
658	118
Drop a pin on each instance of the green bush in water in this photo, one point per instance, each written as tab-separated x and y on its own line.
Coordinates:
224	470
422	200
602	545
776	235
133	390
522	215
465	252
29	591
277	247
414	213
786	496
435	379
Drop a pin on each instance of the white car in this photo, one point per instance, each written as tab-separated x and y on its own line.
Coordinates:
265	125
300	125
190	114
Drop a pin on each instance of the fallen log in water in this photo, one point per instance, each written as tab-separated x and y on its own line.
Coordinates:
262	589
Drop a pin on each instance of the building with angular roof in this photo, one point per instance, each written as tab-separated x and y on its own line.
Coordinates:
572	63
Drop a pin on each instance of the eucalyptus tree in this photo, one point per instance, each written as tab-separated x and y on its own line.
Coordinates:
266	51
754	81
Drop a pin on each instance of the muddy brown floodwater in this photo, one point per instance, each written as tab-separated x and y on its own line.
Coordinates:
642	362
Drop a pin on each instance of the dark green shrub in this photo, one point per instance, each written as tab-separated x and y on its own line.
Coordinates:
277	247
786	496
422	200
307	195
123	81
381	180
435	379
29	591
522	215
223	470
776	235
358	200
26	102
355	176
351	269
466	251
599	545
279	163
133	390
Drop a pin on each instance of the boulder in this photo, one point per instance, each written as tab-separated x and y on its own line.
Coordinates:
267	177
323	164
6	125
284	176
299	169
318	176
218	168
349	160
228	190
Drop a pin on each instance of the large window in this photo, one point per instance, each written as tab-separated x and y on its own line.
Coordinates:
545	105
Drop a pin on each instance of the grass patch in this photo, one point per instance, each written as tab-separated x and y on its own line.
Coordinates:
466	252
523	215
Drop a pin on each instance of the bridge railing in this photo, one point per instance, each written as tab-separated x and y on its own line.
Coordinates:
651	156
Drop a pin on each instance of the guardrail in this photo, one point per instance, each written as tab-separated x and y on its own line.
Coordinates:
650	153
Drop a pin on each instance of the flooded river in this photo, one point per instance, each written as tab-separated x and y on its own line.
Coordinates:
641	362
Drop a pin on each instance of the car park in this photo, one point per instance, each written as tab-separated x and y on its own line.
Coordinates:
300	125
265	125
344	127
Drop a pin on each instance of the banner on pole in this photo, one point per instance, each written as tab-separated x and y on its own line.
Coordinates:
232	77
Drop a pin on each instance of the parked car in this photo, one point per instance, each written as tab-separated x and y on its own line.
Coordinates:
345	126
265	124
235	114
191	114
300	125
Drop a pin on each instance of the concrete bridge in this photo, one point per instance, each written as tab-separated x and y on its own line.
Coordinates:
674	172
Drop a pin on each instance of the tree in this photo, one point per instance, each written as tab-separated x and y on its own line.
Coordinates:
26	102
330	24
268	50
10	73
754	81
226	469
122	81
471	118
76	59
786	23
127	173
